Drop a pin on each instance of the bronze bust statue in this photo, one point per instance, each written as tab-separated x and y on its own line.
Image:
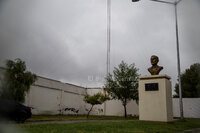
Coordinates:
155	69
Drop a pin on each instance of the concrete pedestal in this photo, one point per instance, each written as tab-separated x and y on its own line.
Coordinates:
155	98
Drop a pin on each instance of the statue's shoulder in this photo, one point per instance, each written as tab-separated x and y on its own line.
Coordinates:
150	68
160	67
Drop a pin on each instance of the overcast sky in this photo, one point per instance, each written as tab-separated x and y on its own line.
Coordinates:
66	39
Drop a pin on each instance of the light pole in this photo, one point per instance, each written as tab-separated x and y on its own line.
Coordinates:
178	54
108	35
108	44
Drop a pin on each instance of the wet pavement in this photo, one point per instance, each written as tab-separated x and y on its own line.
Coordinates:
73	121
192	131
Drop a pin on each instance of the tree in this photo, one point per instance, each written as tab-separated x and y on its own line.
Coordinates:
124	84
190	82
17	81
96	99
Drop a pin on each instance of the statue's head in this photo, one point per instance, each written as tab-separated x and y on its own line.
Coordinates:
154	60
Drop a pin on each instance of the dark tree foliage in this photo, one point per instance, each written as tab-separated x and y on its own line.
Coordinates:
123	85
96	99
190	82
16	81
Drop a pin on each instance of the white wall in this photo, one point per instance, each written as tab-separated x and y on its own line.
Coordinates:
191	107
97	109
48	100
115	108
72	101
43	101
49	96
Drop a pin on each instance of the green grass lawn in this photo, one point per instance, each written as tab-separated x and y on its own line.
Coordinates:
130	126
75	117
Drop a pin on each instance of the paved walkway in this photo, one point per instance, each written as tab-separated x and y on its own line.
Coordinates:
197	130
72	121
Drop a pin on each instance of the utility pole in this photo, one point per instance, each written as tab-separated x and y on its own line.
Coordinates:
108	43
178	64
108	35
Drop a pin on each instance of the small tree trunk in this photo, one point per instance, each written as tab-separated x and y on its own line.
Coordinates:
125	113
89	111
124	104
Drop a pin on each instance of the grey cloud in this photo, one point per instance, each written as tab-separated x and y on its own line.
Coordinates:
66	40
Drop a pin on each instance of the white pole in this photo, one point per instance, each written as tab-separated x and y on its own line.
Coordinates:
108	43
178	65
108	34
